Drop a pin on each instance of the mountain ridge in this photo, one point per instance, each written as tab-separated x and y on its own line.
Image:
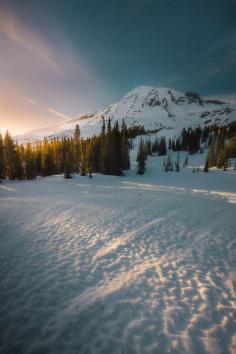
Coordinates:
161	108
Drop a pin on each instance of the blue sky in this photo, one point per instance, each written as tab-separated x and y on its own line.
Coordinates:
61	58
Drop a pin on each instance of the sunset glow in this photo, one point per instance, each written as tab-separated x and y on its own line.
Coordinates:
55	64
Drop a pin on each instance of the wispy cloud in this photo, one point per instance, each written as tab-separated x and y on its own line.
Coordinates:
35	50
49	109
229	98
44	76
18	33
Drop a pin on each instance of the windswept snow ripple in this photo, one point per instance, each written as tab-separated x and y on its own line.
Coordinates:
117	266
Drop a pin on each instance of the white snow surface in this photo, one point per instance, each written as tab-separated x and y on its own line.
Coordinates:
154	108
133	264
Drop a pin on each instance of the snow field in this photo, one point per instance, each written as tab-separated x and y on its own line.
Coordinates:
134	264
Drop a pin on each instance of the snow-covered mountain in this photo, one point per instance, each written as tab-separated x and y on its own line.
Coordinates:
154	108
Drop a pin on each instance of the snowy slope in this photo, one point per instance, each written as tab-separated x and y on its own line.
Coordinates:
119	265
154	108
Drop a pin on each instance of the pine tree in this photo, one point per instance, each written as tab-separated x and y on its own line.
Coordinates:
76	149
222	160
231	147
83	171
11	156
125	163
177	166
30	166
141	158
115	154
107	153
211	153
168	164
186	161
68	166
20	173
162	146
48	160
38	158
148	145
102	149
155	146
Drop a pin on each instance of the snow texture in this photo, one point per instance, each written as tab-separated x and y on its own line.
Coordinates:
134	264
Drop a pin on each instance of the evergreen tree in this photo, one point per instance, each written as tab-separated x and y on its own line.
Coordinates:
30	166
141	158
231	147
76	149
11	157
38	158
20	173
222	159
186	161
115	154
211	153
168	164
177	166
155	146
68	167
83	171
125	163
162	146
107	153
149	147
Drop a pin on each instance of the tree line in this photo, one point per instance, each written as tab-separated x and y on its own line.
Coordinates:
222	147
107	153
220	141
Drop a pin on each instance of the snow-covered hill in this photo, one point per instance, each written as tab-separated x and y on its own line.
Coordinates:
154	108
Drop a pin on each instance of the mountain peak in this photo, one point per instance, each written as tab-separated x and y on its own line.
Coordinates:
159	109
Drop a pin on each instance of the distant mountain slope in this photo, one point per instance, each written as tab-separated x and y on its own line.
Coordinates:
154	108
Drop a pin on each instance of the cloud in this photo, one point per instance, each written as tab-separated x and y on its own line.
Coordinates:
229	98
19	34
39	72
33	51
19	114
51	110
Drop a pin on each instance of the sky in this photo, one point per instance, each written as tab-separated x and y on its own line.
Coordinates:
61	58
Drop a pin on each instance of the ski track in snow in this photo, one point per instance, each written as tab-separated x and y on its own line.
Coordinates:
119	265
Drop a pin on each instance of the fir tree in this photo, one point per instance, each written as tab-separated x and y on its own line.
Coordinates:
11	157
168	164
222	160
68	167
155	146
30	167
141	158
115	153
20	173
186	161
76	149
125	163
206	166
177	166
162	146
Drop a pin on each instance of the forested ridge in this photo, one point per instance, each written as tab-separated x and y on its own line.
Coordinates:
108	152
